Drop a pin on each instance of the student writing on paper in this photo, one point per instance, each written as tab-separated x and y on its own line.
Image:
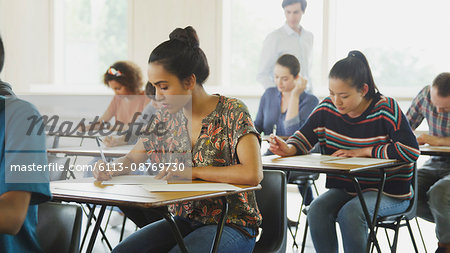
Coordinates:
433	104
20	192
125	79
286	107
354	121
132	135
211	134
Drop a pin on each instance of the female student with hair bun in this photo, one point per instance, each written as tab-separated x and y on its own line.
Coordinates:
218	136
354	121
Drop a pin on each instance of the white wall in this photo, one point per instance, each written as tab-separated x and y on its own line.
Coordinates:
152	21
26	27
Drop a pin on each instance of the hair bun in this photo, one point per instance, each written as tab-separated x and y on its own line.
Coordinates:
356	54
187	35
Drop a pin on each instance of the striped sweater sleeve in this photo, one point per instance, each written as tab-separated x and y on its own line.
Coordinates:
403	145
305	138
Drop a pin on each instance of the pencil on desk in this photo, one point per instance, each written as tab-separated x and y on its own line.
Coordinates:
97	139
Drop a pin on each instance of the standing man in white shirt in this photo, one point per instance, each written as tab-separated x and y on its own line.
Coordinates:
291	38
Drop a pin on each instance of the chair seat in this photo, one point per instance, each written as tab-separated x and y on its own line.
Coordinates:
297	177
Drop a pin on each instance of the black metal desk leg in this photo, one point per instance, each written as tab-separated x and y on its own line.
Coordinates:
220	225
88	224
372	235
96	228
175	231
377	204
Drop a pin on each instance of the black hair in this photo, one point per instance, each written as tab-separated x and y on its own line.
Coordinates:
126	73
181	55
355	70
291	62
442	83
2	54
150	90
303	3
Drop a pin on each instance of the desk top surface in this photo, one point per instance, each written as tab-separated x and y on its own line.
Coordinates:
117	151
326	163
435	150
88	191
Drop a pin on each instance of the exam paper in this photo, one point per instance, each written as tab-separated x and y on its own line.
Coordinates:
189	187
435	147
310	158
134	180
360	161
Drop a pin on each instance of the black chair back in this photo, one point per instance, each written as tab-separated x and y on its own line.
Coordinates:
59	227
271	201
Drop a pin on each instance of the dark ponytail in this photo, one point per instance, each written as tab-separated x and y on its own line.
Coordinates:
181	55
356	71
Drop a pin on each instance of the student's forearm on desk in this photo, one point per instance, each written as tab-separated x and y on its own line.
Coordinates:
249	171
234	174
443	141
433	140
13	211
136	155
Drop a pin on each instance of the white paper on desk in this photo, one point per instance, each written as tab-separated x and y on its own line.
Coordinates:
189	187
360	161
311	158
134	180
435	147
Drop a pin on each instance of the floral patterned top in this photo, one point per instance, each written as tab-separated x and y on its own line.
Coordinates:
215	146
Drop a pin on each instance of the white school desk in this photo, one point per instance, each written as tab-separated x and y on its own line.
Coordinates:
315	163
114	152
435	150
83	191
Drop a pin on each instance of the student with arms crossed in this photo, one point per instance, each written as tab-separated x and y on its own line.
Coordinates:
223	145
20	192
433	104
354	121
291	38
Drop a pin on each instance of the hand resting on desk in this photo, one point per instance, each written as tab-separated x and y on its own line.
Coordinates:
360	152
113	141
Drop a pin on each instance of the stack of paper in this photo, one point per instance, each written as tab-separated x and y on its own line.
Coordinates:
134	180
360	161
204	187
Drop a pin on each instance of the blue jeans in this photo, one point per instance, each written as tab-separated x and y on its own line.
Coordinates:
158	237
433	203
337	205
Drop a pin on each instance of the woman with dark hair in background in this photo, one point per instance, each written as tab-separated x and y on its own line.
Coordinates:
354	121
285	108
